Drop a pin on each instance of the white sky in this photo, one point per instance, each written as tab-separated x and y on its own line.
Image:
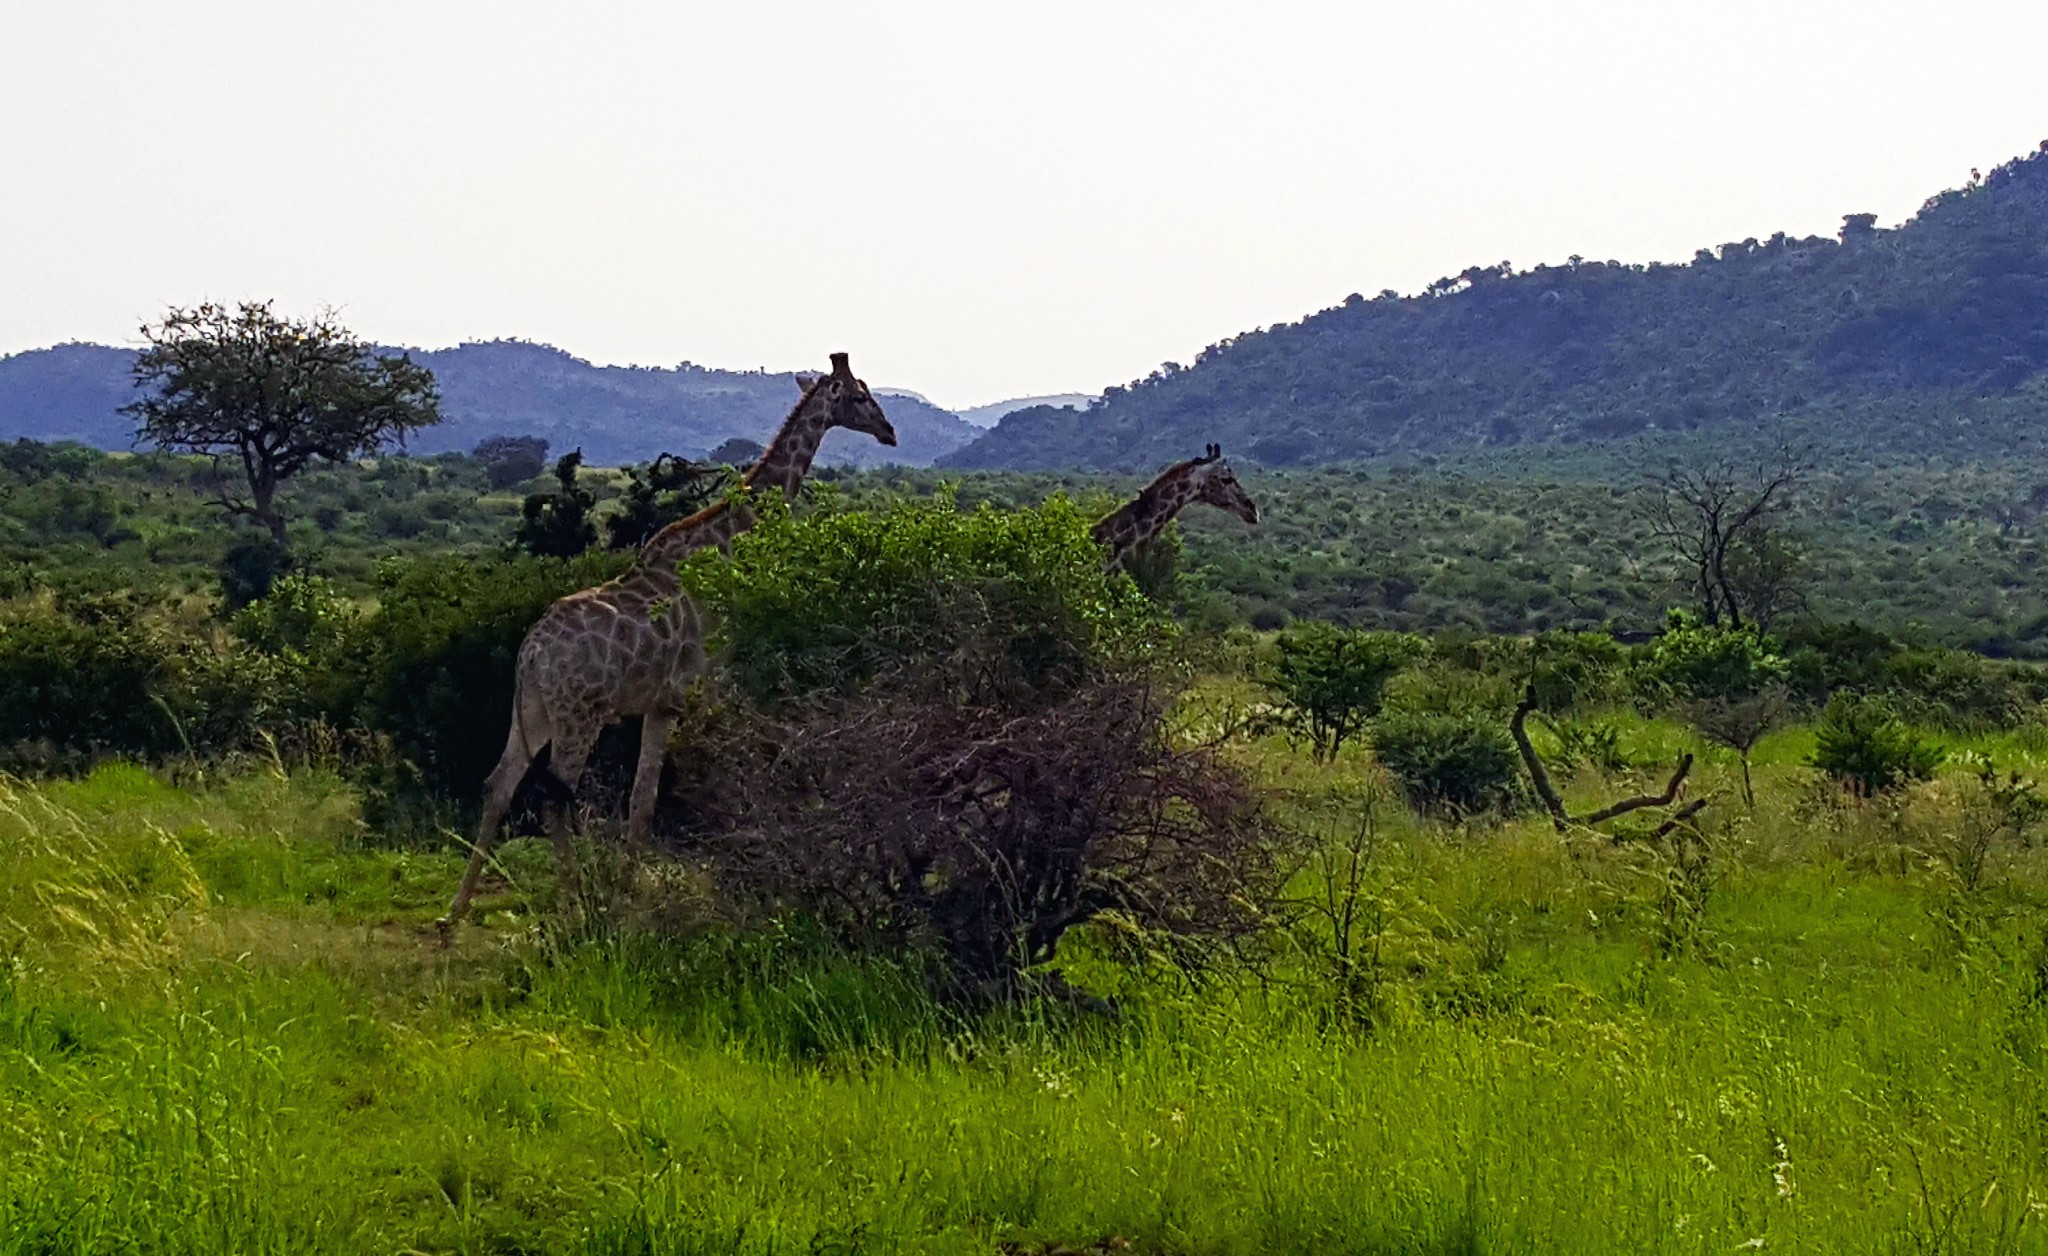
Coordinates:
978	199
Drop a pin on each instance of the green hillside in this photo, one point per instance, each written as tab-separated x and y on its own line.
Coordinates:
1941	322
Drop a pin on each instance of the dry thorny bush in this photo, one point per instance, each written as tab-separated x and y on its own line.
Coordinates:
905	817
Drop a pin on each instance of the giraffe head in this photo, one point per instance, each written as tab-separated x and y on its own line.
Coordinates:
1215	484
847	402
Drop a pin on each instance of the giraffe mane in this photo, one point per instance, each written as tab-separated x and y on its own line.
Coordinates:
768	454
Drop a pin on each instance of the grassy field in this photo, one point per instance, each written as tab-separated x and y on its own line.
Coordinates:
224	1028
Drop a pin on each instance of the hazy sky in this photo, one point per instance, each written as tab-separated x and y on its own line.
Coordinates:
978	200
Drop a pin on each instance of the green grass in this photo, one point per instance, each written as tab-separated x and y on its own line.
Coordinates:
224	1028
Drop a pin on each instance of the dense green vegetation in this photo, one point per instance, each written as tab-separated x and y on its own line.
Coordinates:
1935	550
1931	335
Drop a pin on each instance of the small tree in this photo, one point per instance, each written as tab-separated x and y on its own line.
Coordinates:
557	524
1730	684
510	460
275	394
1767	570
658	494
1336	678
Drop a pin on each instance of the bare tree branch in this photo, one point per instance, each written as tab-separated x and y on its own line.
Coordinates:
1553	802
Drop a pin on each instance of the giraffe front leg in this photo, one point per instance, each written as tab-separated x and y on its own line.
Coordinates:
567	762
647	777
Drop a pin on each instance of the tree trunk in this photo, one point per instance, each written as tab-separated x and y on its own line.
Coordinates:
262	508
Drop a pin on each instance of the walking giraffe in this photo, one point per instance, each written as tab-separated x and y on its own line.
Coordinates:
631	646
1207	479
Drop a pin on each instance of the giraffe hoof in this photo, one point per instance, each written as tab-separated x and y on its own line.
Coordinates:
445	927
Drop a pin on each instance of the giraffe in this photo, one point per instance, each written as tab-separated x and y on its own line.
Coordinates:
631	646
1208	479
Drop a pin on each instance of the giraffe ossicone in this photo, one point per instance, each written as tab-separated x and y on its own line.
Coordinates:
633	645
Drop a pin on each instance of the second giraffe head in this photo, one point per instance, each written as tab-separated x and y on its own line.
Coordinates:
1216	485
847	401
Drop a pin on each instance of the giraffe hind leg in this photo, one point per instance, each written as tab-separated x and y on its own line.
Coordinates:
499	791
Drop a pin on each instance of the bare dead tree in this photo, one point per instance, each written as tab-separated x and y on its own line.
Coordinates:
1553	802
903	817
1711	516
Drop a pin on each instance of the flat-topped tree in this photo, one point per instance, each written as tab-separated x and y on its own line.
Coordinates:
633	645
1132	526
274	394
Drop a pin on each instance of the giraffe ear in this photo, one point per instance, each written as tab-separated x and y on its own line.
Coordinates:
804	380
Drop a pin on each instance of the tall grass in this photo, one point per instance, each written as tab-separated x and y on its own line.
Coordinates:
1847	1050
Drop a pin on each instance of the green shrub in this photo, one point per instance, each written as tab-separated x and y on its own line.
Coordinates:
1863	745
302	615
1575	670
1955	688
1695	662
248	567
557	524
115	675
1335	679
433	667
1460	762
1004	603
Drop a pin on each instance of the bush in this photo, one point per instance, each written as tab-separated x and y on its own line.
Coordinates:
249	567
1863	745
1575	670
510	460
658	494
114	675
1003	604
433	668
906	820
959	742
1695	662
1458	762
1955	688
1335	679
305	624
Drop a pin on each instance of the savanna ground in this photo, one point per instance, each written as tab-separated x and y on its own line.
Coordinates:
224	1026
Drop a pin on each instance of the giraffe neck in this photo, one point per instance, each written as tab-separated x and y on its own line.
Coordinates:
1133	525
783	465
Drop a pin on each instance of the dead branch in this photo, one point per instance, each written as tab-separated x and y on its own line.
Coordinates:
1553	802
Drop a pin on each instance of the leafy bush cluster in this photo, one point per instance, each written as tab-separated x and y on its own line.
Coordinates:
110	674
959	741
1005	604
1436	712
1863	744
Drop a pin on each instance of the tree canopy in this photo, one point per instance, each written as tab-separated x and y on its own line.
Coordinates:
275	394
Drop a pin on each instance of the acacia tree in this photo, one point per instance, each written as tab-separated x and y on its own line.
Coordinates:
273	393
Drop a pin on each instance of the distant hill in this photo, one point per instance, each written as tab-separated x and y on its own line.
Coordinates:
992	413
1937	326
615	414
